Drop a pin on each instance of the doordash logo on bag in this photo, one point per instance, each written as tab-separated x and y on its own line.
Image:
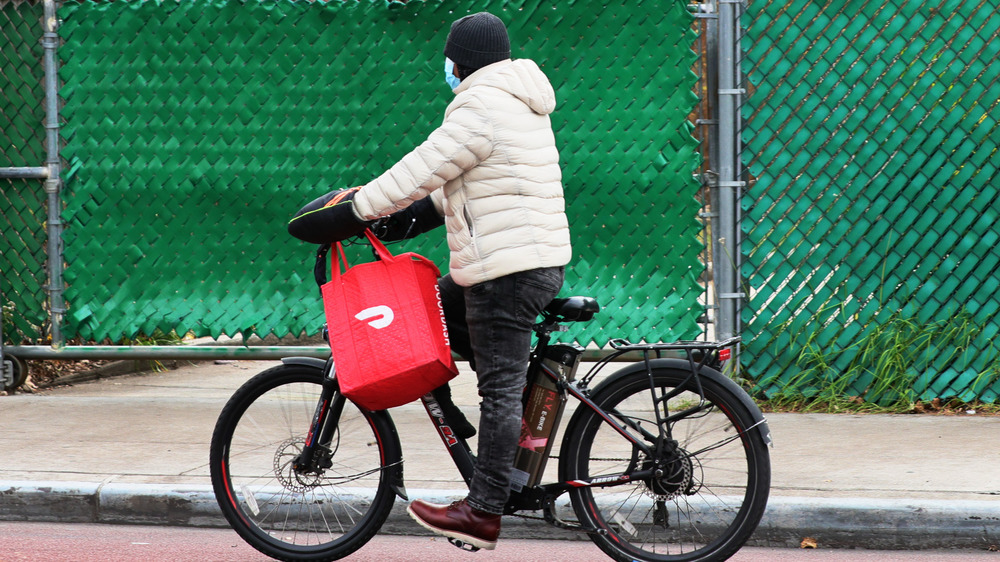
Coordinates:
382	316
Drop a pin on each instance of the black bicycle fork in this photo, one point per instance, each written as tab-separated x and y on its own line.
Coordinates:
316	454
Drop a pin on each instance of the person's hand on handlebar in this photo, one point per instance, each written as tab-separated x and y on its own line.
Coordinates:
418	218
328	219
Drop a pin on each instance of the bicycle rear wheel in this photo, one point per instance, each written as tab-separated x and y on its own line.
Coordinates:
712	489
284	513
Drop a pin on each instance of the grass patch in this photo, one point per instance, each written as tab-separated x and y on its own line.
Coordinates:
937	406
158	337
887	370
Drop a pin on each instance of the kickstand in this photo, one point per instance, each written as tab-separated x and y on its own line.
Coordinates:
550	516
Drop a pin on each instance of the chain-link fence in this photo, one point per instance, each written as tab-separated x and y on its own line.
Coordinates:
868	201
871	238
193	131
22	155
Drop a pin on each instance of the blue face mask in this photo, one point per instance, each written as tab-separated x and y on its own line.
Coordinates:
449	74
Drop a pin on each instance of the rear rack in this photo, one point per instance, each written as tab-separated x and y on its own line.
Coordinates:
698	353
625	346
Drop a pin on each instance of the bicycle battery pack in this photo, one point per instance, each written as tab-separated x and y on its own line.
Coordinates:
542	411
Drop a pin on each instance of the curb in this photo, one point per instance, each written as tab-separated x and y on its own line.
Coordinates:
881	524
191	506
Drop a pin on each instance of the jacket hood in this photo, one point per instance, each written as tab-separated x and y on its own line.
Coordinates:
521	78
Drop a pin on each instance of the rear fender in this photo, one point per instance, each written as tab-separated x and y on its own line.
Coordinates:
707	372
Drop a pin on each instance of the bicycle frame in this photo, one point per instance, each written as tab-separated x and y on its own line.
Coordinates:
315	456
543	496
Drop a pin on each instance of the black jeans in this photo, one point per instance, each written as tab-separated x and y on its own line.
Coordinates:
490	323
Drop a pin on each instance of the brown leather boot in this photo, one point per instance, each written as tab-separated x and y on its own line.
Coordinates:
458	521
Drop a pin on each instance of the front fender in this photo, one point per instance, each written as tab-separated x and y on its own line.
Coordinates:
305	361
393	463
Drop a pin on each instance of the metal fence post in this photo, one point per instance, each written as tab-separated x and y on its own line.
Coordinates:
49	173
726	240
6	374
57	307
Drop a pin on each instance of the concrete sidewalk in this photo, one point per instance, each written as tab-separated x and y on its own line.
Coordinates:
135	449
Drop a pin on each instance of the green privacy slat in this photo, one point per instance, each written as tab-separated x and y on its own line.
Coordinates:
898	118
197	129
22	202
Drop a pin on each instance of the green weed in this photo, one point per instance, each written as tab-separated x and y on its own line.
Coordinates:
158	337
883	371
7	316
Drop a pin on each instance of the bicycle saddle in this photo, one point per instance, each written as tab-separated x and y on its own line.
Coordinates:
573	309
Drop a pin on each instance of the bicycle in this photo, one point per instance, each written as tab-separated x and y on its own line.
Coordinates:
664	460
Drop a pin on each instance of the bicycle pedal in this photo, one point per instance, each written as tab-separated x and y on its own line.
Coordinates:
463	545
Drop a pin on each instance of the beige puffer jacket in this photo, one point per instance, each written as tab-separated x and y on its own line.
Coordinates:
492	170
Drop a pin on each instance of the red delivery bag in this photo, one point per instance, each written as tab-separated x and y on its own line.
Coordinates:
387	328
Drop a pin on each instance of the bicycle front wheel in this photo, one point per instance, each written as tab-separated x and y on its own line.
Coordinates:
714	472
284	513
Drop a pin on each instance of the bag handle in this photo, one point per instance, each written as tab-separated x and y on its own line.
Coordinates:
381	252
340	257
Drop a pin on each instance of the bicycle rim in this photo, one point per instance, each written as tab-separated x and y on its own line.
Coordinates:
712	491
284	514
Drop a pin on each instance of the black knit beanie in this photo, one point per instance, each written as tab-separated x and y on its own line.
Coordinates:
477	40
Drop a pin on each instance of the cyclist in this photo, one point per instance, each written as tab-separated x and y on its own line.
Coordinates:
490	173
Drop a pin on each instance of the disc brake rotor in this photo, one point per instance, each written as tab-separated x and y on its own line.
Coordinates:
284	469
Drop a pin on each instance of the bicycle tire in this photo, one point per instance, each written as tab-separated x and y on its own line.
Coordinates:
713	492
290	516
